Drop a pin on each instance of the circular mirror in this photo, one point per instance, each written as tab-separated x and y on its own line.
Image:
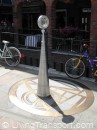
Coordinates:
43	22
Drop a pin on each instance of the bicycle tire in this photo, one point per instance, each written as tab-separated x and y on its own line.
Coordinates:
16	56
74	68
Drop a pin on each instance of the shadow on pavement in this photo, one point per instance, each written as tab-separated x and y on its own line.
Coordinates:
66	118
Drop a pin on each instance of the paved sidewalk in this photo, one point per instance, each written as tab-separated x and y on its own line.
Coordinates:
14	118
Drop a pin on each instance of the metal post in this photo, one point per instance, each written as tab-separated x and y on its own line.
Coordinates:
43	89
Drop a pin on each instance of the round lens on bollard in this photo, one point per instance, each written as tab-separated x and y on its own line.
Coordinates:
43	22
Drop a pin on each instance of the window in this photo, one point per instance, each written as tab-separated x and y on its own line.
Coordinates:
61	18
5	1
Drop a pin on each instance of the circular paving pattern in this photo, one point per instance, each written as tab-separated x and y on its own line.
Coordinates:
66	98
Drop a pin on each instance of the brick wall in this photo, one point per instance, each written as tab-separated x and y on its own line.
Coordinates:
93	34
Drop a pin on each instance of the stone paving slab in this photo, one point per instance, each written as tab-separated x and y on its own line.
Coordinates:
3	71
10	114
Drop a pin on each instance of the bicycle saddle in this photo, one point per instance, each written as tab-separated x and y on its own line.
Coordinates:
85	45
5	42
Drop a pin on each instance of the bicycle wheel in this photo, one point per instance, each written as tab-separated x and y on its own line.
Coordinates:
13	56
74	68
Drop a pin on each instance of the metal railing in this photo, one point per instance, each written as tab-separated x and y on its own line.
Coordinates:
22	40
68	45
70	41
72	45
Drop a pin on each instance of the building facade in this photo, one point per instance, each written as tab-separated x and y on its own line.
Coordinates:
61	13
80	14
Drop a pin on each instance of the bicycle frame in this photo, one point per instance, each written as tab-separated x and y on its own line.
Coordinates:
2	52
91	60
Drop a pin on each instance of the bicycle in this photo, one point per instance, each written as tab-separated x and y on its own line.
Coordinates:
11	55
75	67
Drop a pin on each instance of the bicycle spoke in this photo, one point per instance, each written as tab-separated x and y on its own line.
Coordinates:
13	56
74	68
